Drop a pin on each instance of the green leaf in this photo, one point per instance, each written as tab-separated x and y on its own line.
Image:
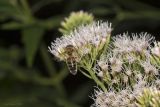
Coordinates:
31	39
9	7
12	25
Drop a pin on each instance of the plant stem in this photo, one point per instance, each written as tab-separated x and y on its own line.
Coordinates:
99	83
87	75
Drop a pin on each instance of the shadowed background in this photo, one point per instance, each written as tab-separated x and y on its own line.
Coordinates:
29	75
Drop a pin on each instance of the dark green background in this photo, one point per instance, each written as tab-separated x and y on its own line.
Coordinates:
29	75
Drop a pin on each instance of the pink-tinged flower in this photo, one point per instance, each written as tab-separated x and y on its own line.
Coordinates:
156	49
83	39
126	97
135	43
116	63
149	68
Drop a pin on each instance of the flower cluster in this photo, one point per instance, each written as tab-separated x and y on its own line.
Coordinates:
127	68
83	39
137	43
138	96
122	67
123	63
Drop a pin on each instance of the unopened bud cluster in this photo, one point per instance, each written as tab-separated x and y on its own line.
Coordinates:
150	97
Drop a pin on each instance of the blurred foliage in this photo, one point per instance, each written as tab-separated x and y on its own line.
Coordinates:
29	76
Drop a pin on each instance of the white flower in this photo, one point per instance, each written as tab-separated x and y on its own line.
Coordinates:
116	63
125	79
112	98
156	49
103	65
82	39
138	75
93	33
58	47
149	68
136	43
122	97
157	82
130	58
107	69
100	74
128	71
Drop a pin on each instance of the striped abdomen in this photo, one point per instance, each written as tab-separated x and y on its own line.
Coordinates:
72	65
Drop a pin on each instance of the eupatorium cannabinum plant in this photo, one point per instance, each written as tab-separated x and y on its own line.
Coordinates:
125	67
